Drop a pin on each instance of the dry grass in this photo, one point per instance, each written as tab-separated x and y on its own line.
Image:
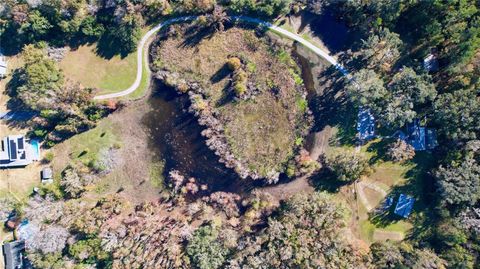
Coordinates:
261	132
123	130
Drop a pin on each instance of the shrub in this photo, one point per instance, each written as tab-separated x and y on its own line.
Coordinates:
234	63
49	157
400	151
240	89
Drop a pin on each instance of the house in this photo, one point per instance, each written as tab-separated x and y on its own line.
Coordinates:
16	151
404	205
47	175
13	253
3	66
365	124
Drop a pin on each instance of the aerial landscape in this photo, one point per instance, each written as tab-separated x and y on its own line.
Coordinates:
234	134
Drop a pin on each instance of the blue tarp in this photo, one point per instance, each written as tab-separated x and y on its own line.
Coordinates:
416	135
365	124
404	205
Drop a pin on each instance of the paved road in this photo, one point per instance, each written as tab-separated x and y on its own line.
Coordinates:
140	54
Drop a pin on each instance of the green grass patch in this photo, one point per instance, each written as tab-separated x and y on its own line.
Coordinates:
156	174
91	70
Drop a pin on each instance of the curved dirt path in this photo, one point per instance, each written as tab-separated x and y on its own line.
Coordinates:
140	53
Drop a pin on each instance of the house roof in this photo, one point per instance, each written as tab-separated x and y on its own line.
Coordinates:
365	124
404	205
13	253
3	65
15	151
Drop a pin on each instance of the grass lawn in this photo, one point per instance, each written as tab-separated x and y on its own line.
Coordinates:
84	147
108	75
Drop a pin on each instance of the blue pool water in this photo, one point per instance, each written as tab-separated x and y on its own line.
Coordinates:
36	149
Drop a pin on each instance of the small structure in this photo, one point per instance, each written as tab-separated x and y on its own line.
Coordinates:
430	63
365	124
13	253
3	66
16	151
47	175
404	205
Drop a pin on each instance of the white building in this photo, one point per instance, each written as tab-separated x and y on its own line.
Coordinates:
3	66
16	151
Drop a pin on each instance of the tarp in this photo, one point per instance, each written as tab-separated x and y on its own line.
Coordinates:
404	205
365	124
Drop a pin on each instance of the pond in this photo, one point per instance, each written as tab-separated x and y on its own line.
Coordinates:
175	137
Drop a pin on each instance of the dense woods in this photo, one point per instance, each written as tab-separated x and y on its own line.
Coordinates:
392	80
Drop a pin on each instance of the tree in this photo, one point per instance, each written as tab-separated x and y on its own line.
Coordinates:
367	89
347	165
457	114
268	8
381	50
403	255
459	184
417	87
305	234
386	254
35	27
408	91
400	151
218	18
204	248
71	183
40	79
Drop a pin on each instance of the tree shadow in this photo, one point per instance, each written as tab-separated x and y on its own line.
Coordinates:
325	180
332	107
195	35
333	32
380	149
221	73
108	46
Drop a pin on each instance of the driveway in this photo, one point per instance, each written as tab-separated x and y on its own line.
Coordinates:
145	39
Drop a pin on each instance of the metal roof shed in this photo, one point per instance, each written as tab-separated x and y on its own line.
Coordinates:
404	205
365	124
13	253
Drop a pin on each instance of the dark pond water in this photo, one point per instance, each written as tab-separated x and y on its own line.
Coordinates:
175	136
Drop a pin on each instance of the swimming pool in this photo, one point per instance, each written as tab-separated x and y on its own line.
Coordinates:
35	149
